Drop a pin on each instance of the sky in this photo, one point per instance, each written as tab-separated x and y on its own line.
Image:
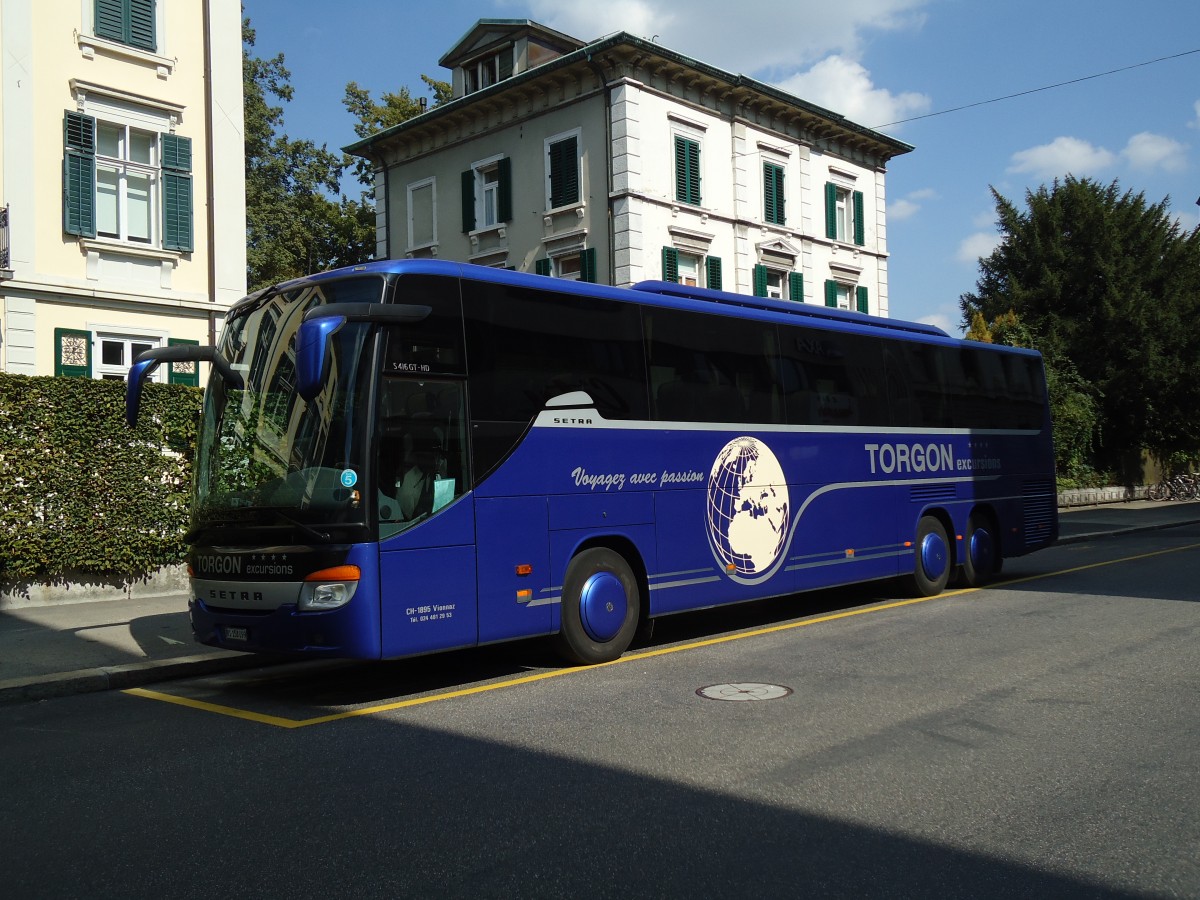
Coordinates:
878	62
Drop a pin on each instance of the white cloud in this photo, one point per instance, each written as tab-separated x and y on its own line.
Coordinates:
844	86
1195	123
942	321
1062	156
1154	151
910	204
771	37
977	245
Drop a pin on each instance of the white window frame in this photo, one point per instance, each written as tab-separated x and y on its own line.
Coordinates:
567	266
487	191
411	188
477	72
777	282
123	167
846	298
690	265
126	338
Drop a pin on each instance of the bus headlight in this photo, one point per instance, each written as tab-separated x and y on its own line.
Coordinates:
328	588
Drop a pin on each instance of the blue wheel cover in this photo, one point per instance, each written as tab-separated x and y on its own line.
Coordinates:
933	556
981	550
602	606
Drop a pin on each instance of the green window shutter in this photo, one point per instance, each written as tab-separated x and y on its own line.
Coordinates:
72	353
564	173
128	21
111	19
541	266
760	281
504	63
860	294
830	210
79	174
796	286
687	171
773	204
504	201
177	193
468	201
186	372
831	294
141	24
860	231
670	264
587	265
712	269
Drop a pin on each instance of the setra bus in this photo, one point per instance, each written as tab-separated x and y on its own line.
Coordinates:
417	455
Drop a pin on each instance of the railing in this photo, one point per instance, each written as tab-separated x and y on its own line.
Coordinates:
5	260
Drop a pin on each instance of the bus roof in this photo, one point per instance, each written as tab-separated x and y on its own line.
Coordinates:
791	308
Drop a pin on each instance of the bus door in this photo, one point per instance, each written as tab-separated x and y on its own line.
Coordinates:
426	519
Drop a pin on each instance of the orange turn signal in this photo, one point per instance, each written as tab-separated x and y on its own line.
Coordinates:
337	573
525	569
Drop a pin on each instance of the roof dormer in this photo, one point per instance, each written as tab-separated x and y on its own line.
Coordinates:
496	49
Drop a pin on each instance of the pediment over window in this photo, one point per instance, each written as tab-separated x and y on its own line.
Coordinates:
779	252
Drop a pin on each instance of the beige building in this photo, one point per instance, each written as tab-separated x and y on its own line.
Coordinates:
121	181
621	160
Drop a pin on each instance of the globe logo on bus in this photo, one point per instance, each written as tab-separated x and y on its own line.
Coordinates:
748	509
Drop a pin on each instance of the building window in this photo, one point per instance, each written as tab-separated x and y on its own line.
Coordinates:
579	266
127	184
422	214
687	170
844	218
773	198
127	22
562	170
487	70
115	354
847	296
682	267
778	283
487	194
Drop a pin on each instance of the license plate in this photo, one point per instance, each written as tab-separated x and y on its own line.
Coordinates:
235	634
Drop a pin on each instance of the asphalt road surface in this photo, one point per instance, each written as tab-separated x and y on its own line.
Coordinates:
1035	738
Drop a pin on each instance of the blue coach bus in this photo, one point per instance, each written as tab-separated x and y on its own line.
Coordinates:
411	456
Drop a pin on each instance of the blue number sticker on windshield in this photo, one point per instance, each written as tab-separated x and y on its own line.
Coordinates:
349	478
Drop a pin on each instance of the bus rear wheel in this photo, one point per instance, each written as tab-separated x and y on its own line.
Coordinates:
981	556
601	603
932	571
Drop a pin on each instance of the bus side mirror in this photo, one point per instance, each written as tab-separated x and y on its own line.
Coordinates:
148	361
321	323
312	353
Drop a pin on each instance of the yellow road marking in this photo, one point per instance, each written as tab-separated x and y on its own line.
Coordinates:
280	722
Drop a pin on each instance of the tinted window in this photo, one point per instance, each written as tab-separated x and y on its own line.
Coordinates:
706	368
526	346
435	344
831	378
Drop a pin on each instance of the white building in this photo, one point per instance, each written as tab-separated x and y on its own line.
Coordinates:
121	181
621	160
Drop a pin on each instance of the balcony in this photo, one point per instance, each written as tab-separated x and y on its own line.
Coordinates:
5	257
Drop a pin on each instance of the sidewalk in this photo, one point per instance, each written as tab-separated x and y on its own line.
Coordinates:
53	651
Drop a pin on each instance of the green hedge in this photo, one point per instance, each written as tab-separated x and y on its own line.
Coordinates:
81	493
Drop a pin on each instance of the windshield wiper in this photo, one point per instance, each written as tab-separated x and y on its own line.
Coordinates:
307	529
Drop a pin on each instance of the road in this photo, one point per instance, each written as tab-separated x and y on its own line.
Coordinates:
1035	738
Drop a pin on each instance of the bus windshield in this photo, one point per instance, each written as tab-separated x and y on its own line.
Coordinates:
267	457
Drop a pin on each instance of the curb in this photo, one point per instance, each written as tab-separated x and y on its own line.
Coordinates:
1095	535
116	678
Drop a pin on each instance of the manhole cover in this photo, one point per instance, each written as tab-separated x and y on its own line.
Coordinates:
744	690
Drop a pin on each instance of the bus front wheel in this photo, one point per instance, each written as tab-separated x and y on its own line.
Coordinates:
932	550
601	603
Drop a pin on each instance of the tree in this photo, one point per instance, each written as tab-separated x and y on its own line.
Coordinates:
1108	288
293	224
395	108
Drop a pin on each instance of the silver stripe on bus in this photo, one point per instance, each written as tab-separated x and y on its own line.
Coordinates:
589	418
685	583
